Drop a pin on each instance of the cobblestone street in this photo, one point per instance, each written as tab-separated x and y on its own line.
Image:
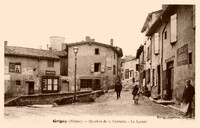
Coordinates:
106	105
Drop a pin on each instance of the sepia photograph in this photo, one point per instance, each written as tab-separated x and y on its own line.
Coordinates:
80	63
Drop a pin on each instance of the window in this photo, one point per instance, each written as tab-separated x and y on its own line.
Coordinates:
96	51
97	67
127	74
114	55
114	69
55	84
190	57
137	67
15	67
165	35
144	74
18	82
153	79
50	84
148	76
156	45
50	63
94	84
148	54
173	27
86	83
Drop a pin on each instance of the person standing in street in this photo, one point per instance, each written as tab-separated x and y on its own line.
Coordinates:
118	88
188	94
135	94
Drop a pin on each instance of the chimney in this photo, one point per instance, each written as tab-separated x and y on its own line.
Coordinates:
87	39
5	44
50	49
93	40
47	46
111	42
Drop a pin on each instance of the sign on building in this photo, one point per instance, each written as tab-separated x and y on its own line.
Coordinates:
27	71
182	55
47	72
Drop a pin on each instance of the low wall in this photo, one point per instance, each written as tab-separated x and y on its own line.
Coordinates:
59	99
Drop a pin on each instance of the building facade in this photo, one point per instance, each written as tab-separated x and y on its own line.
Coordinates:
172	38
130	75
97	65
30	71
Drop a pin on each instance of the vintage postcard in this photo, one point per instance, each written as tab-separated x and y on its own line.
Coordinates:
108	63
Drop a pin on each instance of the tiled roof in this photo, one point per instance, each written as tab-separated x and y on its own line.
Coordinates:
115	48
60	53
128	58
149	18
30	52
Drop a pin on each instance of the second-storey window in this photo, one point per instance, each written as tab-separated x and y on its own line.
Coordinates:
15	67
156	43
114	69
165	35
18	82
50	63
97	67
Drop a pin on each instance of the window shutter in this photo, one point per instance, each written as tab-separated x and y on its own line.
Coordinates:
173	28
156	43
102	68
92	68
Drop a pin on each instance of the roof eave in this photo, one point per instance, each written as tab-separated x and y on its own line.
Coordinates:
29	56
120	54
152	28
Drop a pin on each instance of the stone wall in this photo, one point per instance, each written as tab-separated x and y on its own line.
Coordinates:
59	99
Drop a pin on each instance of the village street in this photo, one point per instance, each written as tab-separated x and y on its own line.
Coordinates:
106	105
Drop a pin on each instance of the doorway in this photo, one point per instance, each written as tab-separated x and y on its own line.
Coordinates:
158	72
170	79
97	84
30	87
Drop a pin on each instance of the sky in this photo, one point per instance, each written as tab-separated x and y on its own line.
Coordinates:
31	23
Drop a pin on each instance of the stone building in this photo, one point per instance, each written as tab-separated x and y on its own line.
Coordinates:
31	71
98	65
152	55
37	71
172	37
130	75
140	67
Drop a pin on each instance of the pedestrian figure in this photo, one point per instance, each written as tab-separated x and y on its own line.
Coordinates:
188	94
118	88
135	94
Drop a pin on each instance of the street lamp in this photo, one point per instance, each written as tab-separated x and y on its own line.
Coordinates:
75	49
